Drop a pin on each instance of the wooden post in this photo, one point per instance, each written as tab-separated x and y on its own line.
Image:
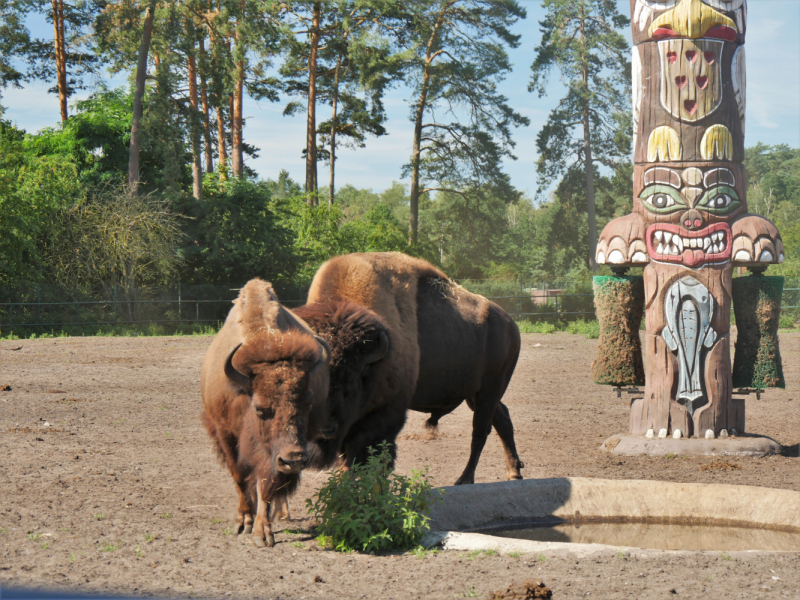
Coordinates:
689	227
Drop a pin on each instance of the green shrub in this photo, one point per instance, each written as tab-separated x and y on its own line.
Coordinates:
786	322
371	508
590	329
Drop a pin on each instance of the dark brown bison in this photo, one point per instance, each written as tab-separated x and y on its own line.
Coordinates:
381	333
447	346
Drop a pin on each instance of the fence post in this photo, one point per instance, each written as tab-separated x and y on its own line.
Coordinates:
556	299
79	313
38	305
197	310
11	315
115	303
180	314
519	310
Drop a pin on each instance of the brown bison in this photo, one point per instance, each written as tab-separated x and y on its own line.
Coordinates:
447	345
264	384
381	333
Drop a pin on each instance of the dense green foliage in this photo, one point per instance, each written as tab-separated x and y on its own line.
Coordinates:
66	216
372	508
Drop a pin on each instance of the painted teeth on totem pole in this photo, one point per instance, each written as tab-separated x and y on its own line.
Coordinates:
689	226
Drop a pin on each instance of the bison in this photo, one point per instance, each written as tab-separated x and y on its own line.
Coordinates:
447	346
264	384
381	333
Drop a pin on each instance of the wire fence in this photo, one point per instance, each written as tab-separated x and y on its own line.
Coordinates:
49	308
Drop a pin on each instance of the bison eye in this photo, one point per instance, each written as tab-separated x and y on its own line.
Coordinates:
265	413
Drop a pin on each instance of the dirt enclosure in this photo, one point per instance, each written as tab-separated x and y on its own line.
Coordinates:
108	483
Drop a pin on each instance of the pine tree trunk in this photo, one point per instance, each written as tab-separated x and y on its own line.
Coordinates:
222	166
587	156
587	153
311	127
237	153
331	186
197	168
416	147
60	53
203	66
413	219
138	95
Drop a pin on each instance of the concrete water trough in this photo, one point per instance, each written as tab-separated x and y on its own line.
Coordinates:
585	516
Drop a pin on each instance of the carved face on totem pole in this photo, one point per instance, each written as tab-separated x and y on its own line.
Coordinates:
689	226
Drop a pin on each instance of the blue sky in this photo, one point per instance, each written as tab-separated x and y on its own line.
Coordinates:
773	105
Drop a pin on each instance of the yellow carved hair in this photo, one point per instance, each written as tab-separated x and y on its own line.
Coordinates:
664	145
717	143
691	19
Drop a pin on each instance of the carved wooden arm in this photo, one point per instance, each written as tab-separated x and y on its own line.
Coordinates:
622	242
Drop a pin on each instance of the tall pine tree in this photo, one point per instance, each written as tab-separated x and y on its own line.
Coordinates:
581	40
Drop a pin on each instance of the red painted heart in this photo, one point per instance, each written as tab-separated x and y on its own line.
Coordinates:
680	81
691	56
710	57
690	106
672	57
702	82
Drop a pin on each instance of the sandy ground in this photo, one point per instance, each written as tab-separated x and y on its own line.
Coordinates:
122	493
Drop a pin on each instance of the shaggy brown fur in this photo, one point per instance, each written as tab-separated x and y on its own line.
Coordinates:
353	333
260	419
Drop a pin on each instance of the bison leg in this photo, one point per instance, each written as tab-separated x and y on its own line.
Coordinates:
481	428
244	516
262	528
505	429
379	426
280	508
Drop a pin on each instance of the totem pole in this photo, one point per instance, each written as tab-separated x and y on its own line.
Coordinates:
689	227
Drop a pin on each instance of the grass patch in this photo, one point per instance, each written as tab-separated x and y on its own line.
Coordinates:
514	554
300	545
99	517
589	329
145	330
148	537
421	552
166	516
110	547
541	558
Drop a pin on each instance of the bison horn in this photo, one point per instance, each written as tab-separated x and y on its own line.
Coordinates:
243	381
379	353
326	355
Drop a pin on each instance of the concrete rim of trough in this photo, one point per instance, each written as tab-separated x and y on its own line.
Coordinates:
466	510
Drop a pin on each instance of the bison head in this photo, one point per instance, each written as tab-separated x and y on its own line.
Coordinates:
360	341
285	374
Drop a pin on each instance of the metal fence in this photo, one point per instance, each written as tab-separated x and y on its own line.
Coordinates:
50	308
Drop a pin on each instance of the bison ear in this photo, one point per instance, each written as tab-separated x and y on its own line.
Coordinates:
379	352
242	381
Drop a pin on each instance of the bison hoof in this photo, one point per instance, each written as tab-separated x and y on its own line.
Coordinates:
465	480
258	541
247	529
514	476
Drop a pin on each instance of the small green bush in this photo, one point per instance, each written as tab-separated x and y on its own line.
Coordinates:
370	508
786	322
